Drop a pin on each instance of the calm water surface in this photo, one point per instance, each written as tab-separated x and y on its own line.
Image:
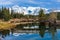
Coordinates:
44	33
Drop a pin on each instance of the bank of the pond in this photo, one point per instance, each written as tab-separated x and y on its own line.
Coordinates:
7	25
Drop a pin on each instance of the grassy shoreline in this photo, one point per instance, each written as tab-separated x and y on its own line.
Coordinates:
7	25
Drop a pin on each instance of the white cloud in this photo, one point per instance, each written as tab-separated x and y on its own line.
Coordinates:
15	2
57	0
5	3
34	2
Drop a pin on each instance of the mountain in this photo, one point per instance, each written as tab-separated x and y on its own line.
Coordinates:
56	10
26	10
30	10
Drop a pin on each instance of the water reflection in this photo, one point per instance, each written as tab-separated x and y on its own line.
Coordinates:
53	32
42	30
17	32
4	33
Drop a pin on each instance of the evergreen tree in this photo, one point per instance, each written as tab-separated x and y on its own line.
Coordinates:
5	14
41	15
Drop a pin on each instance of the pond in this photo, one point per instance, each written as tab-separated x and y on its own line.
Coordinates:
31	32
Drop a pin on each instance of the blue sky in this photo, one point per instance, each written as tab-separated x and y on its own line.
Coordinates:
35	3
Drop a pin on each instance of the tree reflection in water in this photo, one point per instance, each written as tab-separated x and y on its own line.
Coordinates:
4	33
52	30
41	30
